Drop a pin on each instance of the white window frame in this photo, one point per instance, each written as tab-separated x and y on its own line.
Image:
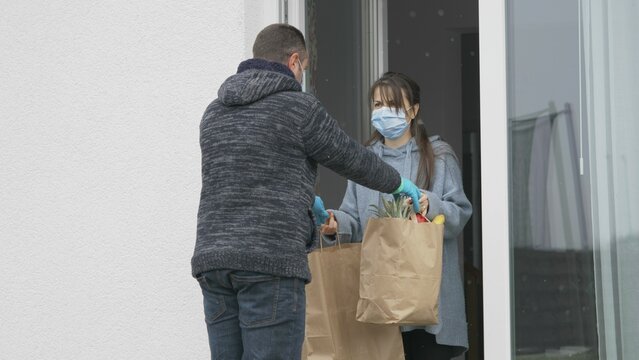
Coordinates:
295	14
375	41
494	168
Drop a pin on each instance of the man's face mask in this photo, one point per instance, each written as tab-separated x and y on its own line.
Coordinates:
391	123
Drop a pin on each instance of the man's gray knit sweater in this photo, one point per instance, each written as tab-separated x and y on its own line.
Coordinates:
261	141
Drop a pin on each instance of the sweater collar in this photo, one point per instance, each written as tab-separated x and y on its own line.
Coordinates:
261	64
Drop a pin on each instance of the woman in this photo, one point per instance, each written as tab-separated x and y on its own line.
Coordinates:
401	140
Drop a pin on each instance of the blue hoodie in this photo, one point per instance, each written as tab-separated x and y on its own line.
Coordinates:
446	196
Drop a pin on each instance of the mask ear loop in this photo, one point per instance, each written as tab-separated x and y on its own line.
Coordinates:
303	83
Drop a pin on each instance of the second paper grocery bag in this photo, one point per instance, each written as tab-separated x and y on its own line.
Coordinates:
400	272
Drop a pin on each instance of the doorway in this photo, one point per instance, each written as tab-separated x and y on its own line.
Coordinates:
436	43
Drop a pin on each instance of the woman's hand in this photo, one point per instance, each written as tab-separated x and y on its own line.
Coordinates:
330	227
423	203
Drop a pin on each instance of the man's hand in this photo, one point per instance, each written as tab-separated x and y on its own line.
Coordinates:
318	210
409	189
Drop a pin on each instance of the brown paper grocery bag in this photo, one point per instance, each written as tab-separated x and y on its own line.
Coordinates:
332	332
400	272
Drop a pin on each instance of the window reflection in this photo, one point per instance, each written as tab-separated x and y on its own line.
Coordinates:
554	309
554	305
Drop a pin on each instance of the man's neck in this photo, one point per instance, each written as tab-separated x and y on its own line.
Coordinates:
262	64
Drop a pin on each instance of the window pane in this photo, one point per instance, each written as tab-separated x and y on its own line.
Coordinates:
573	90
553	308
611	49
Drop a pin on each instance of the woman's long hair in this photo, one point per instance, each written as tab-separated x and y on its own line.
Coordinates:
393	87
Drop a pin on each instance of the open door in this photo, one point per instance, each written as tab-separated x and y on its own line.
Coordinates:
436	43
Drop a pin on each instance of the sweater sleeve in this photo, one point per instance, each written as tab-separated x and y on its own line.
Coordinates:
349	227
452	202
326	143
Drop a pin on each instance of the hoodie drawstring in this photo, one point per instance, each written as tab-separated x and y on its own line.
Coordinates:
408	161
407	167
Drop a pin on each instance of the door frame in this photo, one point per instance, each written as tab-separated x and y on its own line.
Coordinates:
494	174
496	268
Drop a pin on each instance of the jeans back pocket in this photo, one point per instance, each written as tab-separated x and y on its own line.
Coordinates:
214	305
257	296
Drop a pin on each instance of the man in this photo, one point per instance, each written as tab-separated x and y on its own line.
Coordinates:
261	141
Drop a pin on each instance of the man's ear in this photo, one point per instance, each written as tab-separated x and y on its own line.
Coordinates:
292	60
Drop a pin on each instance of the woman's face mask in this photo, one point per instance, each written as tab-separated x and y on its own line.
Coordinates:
391	123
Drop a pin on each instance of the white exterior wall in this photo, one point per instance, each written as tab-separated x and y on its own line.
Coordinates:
100	104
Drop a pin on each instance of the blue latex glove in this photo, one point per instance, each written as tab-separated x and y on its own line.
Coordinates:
409	189
321	215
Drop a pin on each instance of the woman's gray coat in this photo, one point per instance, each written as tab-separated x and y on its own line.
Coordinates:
446	196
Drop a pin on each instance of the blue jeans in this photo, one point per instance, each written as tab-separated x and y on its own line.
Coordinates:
253	315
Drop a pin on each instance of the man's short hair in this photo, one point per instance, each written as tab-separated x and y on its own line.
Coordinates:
277	42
